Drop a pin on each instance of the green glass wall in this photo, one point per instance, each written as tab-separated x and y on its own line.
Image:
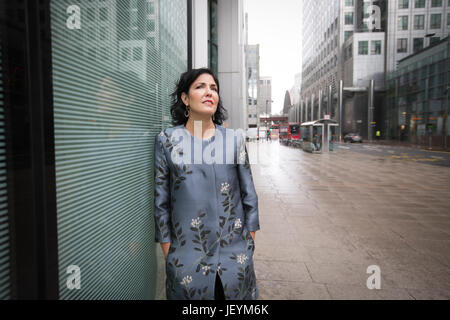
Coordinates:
114	65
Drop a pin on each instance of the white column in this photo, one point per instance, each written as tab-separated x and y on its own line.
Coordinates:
231	56
200	34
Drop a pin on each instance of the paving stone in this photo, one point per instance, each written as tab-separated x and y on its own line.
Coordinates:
281	271
426	294
339	273
353	292
286	253
283	290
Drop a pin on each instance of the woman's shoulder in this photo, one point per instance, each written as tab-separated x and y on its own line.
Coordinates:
167	132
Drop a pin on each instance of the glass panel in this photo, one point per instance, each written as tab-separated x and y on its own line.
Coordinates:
111	97
5	279
317	138
333	137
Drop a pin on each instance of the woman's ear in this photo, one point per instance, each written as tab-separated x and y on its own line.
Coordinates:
185	98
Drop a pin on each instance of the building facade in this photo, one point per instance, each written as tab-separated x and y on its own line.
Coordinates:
265	96
219	42
359	42
418	98
253	78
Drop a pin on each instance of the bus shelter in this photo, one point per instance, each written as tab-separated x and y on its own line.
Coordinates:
319	136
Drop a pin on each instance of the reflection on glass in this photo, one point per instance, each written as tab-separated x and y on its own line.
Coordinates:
112	77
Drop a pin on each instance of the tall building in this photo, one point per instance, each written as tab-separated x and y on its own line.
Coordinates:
359	42
265	96
253	85
218	42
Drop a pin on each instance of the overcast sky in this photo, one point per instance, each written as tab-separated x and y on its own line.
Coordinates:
276	27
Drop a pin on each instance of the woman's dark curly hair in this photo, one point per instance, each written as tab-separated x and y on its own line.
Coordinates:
178	108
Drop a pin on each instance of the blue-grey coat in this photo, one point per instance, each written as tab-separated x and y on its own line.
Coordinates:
206	210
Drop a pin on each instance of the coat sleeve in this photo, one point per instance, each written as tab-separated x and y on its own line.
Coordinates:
248	192
162	193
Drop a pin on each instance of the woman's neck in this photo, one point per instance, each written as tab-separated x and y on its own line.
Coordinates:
201	128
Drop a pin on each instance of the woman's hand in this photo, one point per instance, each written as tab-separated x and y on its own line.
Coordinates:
165	248
253	233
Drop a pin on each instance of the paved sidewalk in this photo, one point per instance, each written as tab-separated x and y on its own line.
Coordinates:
326	217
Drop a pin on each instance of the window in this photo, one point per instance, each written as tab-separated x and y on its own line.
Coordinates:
347	35
434	40
418	44
402	45
436	3
103	33
349	3
403	4
403	23
419	3
126	52
91	14
448	20
103	14
375	47
435	21
150	7
419	22
348	18
363	47
151	25
137	54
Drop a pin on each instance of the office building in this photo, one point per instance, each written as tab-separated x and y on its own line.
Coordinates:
359	42
417	103
253	78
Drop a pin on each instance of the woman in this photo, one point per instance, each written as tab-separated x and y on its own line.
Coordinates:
206	212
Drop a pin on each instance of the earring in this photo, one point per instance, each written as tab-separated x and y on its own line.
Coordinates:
187	112
213	117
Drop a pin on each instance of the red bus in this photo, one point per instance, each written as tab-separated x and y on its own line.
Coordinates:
294	134
290	133
274	131
284	133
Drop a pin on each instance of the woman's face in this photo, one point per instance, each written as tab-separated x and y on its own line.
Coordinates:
203	96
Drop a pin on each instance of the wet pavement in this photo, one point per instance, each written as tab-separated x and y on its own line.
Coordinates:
325	218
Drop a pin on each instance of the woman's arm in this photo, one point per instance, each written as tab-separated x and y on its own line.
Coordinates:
162	193
248	192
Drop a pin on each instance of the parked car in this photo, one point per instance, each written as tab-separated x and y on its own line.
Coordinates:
252	134
353	137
